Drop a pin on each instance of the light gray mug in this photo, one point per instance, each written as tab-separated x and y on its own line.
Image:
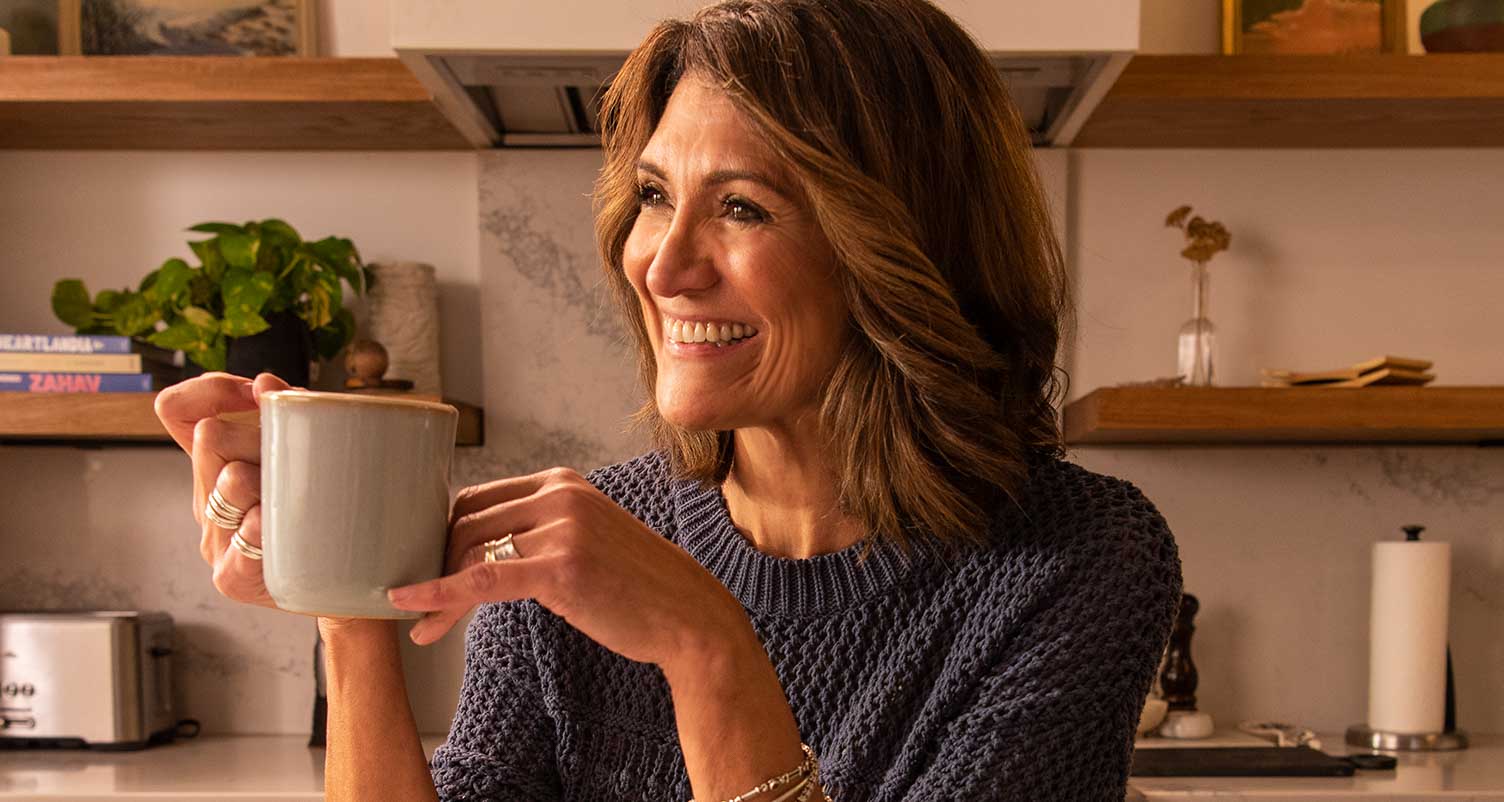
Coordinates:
354	499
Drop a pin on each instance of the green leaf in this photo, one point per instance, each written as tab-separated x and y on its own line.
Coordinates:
70	302
135	315
247	291
243	323
280	231
108	300
239	249
171	283
218	228
180	336
201	318
317	311
211	356
209	256
328	340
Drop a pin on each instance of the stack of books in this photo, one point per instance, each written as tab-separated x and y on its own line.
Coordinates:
47	363
1377	371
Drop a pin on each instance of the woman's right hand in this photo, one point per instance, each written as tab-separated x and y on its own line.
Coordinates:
226	456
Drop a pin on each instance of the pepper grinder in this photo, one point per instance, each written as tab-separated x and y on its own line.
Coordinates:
1178	679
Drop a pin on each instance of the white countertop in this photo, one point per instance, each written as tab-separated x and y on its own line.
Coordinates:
281	768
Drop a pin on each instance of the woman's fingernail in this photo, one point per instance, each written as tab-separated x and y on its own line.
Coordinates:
249	391
399	594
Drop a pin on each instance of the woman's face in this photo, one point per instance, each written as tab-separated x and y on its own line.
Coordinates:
737	283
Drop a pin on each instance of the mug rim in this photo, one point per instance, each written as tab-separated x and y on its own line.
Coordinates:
314	396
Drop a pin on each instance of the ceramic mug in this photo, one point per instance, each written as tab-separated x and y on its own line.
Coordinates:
354	499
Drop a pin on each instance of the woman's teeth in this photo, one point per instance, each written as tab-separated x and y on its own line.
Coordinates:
684	331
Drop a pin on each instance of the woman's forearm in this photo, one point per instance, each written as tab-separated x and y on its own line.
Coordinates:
373	747
735	725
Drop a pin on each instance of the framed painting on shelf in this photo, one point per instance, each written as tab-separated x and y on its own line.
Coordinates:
196	27
1313	26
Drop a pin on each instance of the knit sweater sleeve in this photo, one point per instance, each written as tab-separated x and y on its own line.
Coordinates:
1053	713
501	743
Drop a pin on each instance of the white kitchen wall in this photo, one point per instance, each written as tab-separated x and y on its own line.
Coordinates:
1336	256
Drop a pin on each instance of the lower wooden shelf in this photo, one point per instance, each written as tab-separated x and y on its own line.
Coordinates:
1280	415
124	418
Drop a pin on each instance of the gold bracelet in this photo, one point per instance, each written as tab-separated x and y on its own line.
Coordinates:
805	770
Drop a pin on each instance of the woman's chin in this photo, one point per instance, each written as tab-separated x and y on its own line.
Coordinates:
695	417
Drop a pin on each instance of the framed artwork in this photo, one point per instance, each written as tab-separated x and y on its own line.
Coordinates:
1313	26
196	27
40	27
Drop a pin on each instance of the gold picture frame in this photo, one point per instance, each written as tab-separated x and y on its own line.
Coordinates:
1392	34
70	29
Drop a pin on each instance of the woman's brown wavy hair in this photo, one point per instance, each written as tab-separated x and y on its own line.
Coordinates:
918	170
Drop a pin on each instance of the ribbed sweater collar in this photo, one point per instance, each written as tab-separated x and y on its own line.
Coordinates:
782	586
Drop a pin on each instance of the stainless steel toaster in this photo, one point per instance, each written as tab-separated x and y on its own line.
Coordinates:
96	679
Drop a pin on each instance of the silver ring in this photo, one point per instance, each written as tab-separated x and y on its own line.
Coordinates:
502	549
244	547
222	513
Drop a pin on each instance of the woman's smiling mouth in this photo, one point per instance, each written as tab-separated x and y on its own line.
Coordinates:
700	335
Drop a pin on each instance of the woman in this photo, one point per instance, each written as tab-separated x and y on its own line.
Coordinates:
856	547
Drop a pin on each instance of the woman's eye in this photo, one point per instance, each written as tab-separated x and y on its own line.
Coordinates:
742	211
649	195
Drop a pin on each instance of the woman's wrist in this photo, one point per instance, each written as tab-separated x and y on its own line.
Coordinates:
356	633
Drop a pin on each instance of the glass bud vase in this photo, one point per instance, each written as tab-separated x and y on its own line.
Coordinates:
1197	335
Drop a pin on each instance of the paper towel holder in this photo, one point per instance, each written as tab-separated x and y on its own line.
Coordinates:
1451	739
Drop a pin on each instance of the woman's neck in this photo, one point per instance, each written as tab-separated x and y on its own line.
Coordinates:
782	494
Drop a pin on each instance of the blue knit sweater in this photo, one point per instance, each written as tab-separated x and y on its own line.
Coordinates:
1013	671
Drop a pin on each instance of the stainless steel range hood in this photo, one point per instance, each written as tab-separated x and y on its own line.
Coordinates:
517	73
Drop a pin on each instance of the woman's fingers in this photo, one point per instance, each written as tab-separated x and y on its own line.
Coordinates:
475	498
181	406
217	443
237	576
239	484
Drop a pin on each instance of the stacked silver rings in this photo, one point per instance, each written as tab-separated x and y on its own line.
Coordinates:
244	547
500	549
225	515
222	513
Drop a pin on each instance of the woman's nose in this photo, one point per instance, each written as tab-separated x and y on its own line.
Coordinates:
682	263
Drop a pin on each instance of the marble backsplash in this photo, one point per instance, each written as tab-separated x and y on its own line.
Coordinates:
1275	541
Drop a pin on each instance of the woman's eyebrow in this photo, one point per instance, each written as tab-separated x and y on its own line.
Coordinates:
721	177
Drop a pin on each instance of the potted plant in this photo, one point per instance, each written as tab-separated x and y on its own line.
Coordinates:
261	298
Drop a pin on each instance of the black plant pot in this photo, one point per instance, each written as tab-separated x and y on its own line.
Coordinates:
284	350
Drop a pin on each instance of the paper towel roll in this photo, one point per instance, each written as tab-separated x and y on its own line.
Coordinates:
1407	661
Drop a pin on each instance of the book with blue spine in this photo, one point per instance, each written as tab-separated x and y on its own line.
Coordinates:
64	344
75	383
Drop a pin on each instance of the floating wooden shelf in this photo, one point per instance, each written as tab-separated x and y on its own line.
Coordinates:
1270	415
1379	101
116	418
217	103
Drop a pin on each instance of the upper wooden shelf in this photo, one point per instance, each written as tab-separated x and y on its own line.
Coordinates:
116	418
1280	415
1381	101
217	103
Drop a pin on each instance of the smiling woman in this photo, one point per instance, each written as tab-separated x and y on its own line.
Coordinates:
855	567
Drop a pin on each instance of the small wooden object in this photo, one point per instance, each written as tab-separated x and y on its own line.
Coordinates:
366	363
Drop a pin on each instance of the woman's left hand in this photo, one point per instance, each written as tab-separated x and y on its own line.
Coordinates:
584	558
